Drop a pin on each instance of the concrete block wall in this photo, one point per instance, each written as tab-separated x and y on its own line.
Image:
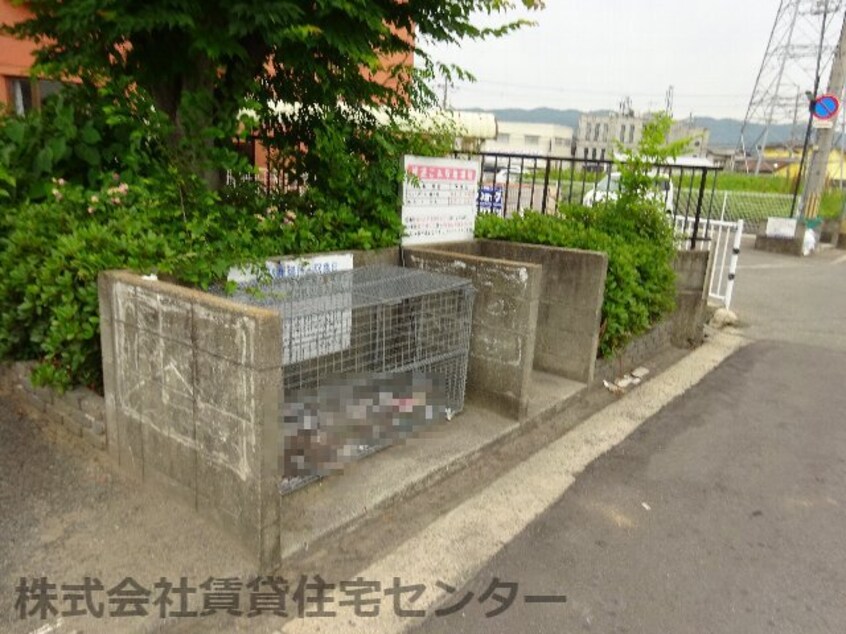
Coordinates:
193	390
505	311
693	276
570	309
80	411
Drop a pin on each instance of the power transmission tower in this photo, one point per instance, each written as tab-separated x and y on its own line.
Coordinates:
789	67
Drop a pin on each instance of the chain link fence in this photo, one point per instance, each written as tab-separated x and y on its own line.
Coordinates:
752	207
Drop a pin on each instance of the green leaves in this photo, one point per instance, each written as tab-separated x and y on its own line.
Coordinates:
640	285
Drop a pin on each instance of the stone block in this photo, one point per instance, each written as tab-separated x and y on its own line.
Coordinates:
178	368
566	354
126	352
178	415
505	347
226	334
224	385
156	450
150	351
221	436
147	307
490	376
226	497
131	444
123	303
176	316
502	311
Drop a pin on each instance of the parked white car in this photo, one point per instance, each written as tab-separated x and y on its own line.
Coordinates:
609	189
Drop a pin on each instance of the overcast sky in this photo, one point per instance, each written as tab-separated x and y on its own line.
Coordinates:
588	54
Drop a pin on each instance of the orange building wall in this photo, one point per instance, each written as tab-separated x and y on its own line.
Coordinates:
15	55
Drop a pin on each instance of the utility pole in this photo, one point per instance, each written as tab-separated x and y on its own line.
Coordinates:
818	169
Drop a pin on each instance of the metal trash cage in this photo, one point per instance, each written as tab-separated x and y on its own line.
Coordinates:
368	355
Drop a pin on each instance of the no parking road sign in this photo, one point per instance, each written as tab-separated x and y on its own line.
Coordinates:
825	107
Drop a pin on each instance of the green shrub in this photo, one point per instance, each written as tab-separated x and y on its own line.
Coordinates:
640	285
86	185
54	249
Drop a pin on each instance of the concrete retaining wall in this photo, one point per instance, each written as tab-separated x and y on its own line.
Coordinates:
193	388
505	311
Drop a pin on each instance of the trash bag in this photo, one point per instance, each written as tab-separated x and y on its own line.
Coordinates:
809	242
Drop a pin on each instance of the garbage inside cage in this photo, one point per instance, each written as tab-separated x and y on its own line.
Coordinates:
371	356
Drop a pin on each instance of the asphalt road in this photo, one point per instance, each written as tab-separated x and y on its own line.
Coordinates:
726	511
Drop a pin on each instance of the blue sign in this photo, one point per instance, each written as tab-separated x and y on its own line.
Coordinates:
826	107
490	198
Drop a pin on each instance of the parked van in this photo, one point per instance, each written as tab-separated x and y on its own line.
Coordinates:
609	189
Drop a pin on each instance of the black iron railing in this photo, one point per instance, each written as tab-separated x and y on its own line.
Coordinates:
509	183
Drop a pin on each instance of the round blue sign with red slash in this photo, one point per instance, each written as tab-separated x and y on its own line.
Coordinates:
826	107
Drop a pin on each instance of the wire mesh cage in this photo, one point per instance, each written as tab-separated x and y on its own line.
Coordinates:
370	355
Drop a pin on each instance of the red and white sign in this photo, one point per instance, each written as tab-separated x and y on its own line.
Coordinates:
439	199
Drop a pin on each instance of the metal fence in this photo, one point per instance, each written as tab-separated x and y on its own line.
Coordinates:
723	238
752	207
510	183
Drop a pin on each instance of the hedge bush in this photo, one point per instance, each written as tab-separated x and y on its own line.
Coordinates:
640	285
86	186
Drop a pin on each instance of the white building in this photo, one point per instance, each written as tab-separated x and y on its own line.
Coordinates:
536	139
599	135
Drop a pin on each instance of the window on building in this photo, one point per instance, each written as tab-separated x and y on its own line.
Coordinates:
560	141
602	158
593	154
596	132
502	137
26	94
532	139
631	133
20	94
586	152
622	133
604	132
587	131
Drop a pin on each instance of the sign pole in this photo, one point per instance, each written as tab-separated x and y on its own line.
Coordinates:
826	109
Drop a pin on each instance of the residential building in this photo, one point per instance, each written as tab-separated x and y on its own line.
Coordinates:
16	88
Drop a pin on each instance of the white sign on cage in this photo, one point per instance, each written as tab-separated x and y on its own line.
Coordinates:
320	325
313	325
439	199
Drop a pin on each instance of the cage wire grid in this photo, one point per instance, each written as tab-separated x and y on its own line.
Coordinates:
355	344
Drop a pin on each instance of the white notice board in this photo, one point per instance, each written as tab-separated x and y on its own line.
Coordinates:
314	326
781	227
439	200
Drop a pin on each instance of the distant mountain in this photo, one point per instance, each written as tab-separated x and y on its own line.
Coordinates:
724	132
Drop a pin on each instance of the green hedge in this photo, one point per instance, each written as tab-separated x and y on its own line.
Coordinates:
640	286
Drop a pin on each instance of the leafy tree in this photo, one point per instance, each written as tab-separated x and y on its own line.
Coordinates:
199	60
